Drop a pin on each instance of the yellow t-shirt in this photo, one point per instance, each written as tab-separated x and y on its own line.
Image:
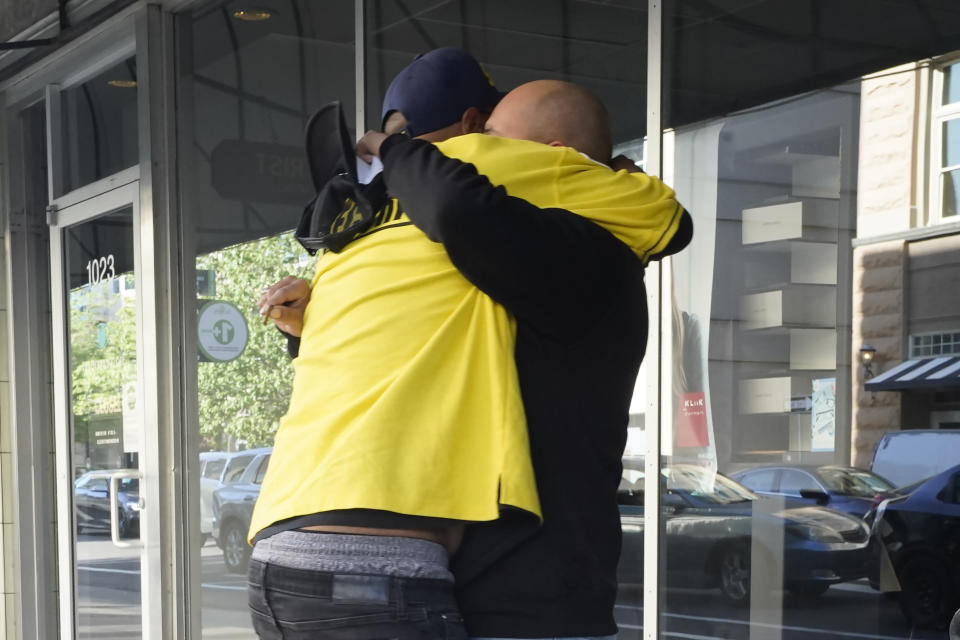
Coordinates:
405	395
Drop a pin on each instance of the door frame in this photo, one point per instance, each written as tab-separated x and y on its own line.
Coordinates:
114	198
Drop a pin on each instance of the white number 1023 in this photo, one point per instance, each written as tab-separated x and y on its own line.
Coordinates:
100	269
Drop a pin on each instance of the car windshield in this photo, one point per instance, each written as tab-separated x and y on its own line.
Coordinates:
704	485
852	482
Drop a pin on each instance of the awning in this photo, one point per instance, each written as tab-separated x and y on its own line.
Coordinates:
918	373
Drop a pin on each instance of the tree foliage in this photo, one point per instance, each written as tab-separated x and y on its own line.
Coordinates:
238	400
246	397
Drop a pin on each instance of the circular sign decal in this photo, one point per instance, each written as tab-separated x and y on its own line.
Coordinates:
221	331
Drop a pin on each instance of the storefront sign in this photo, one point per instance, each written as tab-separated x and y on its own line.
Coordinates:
206	283
221	331
261	172
131	419
692	420
823	414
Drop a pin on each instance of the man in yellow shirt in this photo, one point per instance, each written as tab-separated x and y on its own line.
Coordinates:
423	428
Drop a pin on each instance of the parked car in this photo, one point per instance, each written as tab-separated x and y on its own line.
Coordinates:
710	522
918	534
848	489
91	494
233	508
216	469
905	457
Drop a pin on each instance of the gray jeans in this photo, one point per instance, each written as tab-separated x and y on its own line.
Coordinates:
351	588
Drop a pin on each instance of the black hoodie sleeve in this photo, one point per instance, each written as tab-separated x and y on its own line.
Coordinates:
552	269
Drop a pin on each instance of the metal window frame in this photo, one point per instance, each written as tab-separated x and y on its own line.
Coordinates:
115	199
30	411
657	389
166	560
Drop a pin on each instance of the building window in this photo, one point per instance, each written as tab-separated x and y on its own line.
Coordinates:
946	145
934	344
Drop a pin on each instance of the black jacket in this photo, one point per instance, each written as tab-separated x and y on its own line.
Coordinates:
578	296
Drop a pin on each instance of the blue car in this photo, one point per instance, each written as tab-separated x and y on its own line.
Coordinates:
91	495
848	489
712	538
917	535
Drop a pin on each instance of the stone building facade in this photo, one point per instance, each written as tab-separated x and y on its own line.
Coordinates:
905	253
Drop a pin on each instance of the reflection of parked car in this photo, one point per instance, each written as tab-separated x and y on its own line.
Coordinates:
710	525
905	457
920	533
233	507
91	493
217	468
848	489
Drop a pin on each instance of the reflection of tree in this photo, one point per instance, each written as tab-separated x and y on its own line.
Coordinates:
103	347
246	397
242	399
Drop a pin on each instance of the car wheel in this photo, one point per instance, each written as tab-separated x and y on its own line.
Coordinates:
923	592
734	568
808	590
236	551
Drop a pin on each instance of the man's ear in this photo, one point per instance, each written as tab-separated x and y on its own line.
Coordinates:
473	120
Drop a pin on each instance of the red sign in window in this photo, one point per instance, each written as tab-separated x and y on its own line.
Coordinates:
692	420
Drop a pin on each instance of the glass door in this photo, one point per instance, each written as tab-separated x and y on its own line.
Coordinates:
100	430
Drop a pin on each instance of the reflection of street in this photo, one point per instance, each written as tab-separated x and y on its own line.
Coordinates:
851	611
109	606
108	589
108	596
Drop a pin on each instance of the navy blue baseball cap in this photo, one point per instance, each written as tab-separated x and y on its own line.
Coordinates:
434	90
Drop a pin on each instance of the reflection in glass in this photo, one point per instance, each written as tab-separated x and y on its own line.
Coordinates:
950	188
951	84
106	429
761	376
951	143
99	134
600	45
247	88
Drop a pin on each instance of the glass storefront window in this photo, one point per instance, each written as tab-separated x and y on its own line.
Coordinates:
99	132
761	373
249	81
103	321
601	46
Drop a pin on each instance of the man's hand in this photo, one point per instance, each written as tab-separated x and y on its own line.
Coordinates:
624	163
369	145
284	302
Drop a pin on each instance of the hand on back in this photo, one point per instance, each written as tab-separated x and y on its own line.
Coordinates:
284	302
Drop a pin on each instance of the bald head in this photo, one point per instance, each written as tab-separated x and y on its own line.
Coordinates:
555	113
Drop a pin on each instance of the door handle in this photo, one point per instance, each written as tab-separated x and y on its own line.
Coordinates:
115	506
248	498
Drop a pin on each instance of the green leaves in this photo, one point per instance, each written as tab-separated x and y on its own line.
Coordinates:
244	399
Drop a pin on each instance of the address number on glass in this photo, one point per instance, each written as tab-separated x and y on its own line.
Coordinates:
100	269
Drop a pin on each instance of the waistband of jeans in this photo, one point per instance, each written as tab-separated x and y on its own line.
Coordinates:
355	554
326	584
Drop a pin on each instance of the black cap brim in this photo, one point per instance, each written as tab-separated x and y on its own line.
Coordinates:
329	145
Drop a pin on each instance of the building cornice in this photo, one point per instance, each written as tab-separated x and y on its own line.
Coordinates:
912	235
